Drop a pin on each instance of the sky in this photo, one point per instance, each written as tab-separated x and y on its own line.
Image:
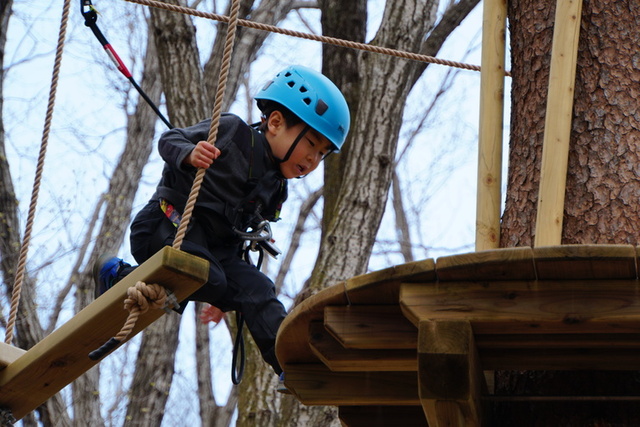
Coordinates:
88	133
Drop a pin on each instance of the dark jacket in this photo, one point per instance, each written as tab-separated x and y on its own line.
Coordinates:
243	185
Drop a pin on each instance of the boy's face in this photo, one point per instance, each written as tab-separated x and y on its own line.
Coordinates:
307	154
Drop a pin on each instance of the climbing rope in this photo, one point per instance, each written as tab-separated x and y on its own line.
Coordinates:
313	37
22	261
215	120
140	298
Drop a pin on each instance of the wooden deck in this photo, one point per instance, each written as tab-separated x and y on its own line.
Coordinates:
413	342
28	379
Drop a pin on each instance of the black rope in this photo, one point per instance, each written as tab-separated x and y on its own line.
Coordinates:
90	20
238	344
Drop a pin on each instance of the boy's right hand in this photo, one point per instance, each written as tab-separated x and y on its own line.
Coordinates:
203	155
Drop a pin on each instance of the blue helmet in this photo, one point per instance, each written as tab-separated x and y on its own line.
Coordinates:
312	97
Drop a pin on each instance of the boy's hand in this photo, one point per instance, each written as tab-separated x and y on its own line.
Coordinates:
203	155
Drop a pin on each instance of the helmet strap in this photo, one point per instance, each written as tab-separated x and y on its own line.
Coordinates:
295	143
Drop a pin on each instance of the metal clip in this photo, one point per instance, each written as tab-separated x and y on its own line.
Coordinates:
171	303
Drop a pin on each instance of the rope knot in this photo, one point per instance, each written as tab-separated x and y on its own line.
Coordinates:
142	297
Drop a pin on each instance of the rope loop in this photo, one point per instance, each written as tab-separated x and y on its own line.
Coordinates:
140	298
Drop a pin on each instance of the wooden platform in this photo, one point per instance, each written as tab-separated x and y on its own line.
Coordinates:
31	377
413	342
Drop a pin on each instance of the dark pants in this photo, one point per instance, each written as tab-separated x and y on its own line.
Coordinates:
233	284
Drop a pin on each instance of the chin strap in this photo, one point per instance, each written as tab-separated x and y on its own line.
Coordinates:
295	143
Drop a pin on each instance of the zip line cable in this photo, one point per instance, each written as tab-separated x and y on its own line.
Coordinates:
90	18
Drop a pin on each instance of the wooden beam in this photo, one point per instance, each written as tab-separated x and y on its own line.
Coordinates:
613	351
8	354
292	341
63	356
588	262
370	327
450	377
561	359
338	359
497	264
550	307
557	130
491	121
382	416
315	384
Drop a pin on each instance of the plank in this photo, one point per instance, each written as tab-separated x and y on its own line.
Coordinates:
557	129
315	384
62	356
382	286
492	77
450	377
553	306
337	358
541	339
588	262
497	264
370	327
292	341
561	359
382	416
9	354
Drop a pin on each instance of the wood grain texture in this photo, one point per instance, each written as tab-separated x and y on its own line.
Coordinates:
63	356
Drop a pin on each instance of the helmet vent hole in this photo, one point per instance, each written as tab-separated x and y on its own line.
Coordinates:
303	89
291	83
306	101
321	107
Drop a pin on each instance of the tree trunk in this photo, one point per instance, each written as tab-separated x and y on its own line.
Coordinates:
180	69
602	183
344	20
246	47
351	226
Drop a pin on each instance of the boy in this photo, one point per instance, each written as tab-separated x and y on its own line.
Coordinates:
304	118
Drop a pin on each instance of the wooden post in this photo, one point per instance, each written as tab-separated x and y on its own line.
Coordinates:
491	121
449	374
557	130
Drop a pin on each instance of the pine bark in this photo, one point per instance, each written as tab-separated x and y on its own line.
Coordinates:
602	183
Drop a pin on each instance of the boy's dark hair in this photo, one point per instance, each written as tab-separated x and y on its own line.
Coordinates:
267	107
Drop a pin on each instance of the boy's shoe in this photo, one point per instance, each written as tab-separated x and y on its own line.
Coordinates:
281	387
106	271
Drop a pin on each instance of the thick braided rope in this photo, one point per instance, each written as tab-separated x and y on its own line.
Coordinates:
22	261
307	36
215	120
140	298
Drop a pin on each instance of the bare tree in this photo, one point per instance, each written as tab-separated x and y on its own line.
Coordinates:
376	88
